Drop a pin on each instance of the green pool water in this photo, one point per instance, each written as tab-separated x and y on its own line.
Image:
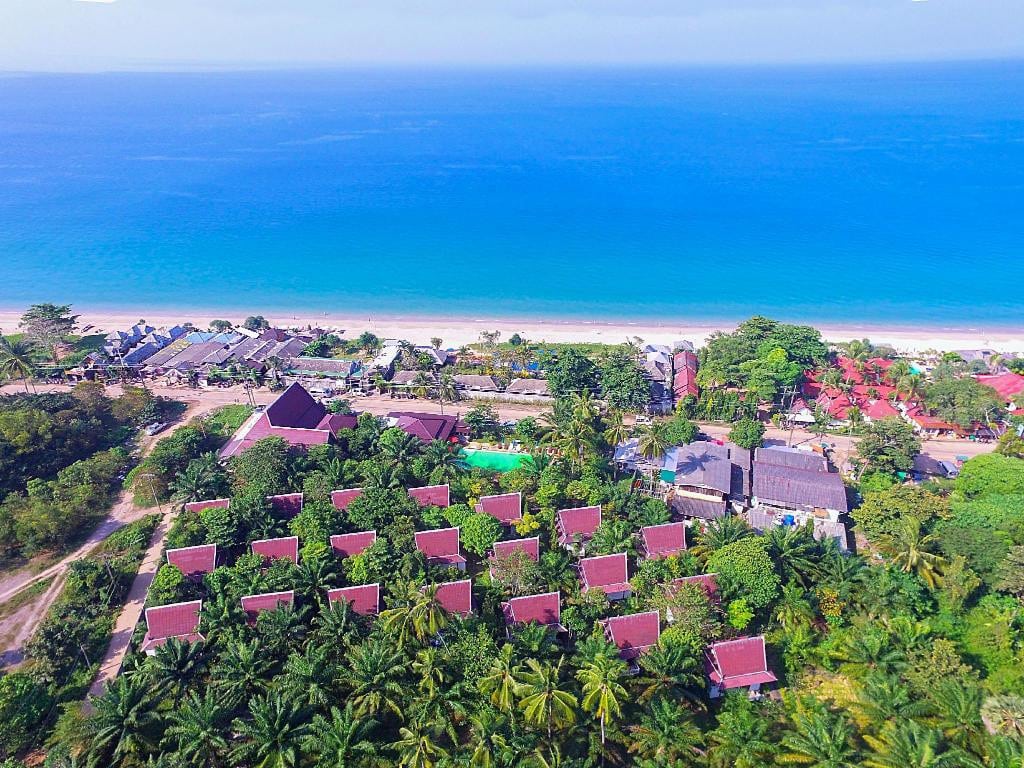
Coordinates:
495	461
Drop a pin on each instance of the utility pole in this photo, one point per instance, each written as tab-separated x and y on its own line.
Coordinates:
152	489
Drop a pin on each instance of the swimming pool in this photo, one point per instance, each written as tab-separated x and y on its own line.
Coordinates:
495	461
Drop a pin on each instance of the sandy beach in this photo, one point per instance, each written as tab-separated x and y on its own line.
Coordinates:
456	331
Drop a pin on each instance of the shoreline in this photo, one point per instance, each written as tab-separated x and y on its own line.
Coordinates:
456	331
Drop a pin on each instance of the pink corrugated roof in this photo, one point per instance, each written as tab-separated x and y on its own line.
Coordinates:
609	573
193	561
286	504
352	544
199	506
530	546
254	605
580	521
1007	384
506	507
180	620
341	499
431	495
544	609
707	581
738	663
364	599
663	540
286	548
456	597
633	634
440	545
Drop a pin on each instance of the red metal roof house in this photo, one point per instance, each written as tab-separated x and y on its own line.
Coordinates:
441	547
456	597
363	600
341	499
741	663
286	548
609	573
194	561
352	544
577	525
254	605
633	635
177	620
545	609
431	495
666	540
199	506
507	508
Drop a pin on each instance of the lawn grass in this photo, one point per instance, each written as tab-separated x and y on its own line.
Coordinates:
227	419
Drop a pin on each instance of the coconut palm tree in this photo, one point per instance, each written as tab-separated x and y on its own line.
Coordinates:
16	359
399	448
374	679
652	440
272	735
907	743
577	441
417	748
196	733
795	552
500	683
421	384
882	697
545	702
819	740
794	609
201	479
871	649
615	429
335	622
741	739
418	614
178	663
603	692
444	461
666	735
670	671
241	671
912	551
126	726
342	740
719	532
310	677
447	391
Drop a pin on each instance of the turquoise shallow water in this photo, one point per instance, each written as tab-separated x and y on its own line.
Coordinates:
870	194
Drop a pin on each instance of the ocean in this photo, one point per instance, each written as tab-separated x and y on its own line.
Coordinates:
868	194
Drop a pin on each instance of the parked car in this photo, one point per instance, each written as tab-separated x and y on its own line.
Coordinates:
949	468
156	426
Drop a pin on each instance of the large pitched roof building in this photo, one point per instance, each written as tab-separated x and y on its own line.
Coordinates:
633	635
177	620
609	573
741	663
363	600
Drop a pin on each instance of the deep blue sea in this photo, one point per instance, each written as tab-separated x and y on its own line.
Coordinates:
875	194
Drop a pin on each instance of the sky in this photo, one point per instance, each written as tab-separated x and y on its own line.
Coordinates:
89	35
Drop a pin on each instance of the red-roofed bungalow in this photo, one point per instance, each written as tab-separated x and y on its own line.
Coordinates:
254	605
666	540
199	506
441	547
341	499
545	609
706	581
177	620
684	380
428	426
577	524
506	507
741	663
609	573
456	597
286	504
1007	384
363	600
633	635
194	561
431	495
503	550
875	410
286	548
352	544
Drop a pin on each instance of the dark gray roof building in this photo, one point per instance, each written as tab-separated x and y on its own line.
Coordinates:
806	489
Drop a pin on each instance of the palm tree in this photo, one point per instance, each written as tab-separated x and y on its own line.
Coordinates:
491	747
882	697
126	725
911	551
201	479
871	649
178	663
375	679
545	702
398	447
652	440
196	731
615	429
16	359
272	736
419	614
741	739
378	475
583	405
444	461
795	551
343	740
720	532
446	390
907	743
666	734
794	609
670	671
957	713
417	749
603	691
241	671
500	682
819	740
310	676
577	441
335	622
421	384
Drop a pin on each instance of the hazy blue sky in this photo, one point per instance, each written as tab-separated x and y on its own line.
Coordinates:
144	34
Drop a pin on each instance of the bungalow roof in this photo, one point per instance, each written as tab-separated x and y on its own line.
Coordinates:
609	573
440	546
545	609
254	605
506	507
701	509
199	506
663	540
579	521
363	599
633	635
177	620
537	387
286	504
432	495
530	546
456	596
706	581
1006	384
295	408
738	663
193	561
425	426
285	548
341	499
352	544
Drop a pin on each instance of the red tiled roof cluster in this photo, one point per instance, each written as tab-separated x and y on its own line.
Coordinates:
664	540
506	507
609	573
633	635
1006	384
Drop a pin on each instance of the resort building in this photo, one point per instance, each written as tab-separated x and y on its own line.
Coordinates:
441	547
254	605
741	663
701	479
545	610
608	573
666	540
428	426
633	635
507	508
528	390
177	620
363	600
341	499
194	562
431	495
503	550
199	506
285	548
286	505
352	544
576	526
684	380
456	597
